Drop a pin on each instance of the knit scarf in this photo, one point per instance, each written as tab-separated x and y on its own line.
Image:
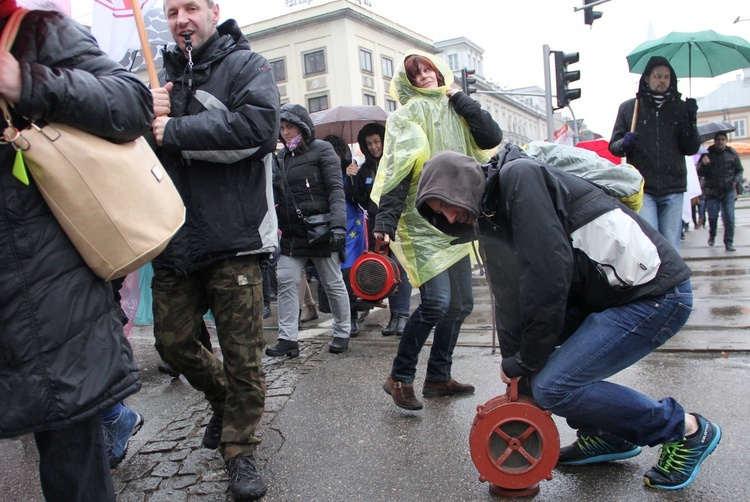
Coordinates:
657	99
294	143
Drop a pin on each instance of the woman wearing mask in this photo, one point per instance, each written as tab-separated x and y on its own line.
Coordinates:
433	117
309	177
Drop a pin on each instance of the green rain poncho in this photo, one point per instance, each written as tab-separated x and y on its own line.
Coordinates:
424	125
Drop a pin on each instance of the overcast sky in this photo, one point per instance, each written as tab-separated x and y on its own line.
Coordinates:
513	32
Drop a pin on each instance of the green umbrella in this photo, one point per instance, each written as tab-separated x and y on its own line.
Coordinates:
696	54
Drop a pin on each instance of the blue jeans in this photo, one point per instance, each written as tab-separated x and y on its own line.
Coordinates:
603	343
726	205
73	465
446	300
400	303
664	213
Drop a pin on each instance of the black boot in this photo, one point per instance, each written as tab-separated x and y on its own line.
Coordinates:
338	345
245	481
168	370
390	330
283	348
402	319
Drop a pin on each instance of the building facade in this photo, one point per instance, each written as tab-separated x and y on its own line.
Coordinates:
341	53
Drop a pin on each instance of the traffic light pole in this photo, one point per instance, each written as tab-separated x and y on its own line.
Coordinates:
548	95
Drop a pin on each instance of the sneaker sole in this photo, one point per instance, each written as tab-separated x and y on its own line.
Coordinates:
138	424
610	457
711	447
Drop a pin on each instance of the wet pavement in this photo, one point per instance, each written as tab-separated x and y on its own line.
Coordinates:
330	433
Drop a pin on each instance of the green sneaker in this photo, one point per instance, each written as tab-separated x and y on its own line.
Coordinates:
679	461
594	449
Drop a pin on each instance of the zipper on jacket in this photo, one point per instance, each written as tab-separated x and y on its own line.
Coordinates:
658	143
307	185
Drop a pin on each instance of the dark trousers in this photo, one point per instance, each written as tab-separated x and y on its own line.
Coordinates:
73	464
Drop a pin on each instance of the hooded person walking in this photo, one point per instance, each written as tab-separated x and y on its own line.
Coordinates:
655	131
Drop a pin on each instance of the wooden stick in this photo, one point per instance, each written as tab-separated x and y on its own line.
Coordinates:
145	46
635	115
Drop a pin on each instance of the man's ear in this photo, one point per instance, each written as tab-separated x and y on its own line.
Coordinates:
216	14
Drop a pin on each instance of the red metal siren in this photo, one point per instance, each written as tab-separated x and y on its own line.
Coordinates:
514	444
374	276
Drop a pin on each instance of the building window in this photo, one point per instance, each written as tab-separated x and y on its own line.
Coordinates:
740	130
317	103
315	62
369	100
279	69
453	61
390	105
365	60
387	64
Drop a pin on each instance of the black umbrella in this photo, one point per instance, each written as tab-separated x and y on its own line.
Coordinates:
708	131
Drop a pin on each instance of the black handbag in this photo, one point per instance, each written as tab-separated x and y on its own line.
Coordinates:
317	226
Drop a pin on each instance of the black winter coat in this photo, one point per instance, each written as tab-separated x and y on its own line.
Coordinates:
722	174
544	276
526	212
313	174
665	137
63	355
316	184
214	148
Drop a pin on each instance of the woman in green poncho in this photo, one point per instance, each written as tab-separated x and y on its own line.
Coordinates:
433	117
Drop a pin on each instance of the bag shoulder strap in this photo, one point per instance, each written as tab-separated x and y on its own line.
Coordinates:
282	168
11	29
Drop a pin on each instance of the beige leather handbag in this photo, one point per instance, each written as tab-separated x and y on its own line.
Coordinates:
115	202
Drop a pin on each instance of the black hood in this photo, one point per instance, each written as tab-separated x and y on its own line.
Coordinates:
297	115
643	89
456	179
369	130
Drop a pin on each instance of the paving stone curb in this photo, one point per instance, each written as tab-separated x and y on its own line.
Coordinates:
174	466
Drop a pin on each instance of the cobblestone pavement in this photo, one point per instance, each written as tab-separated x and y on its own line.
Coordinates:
174	466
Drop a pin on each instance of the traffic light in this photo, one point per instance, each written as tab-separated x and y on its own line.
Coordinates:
467	78
590	15
564	77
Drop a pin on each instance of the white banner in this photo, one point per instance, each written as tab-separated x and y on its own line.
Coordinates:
114	27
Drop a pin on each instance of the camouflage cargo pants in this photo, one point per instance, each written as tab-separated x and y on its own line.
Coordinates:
236	389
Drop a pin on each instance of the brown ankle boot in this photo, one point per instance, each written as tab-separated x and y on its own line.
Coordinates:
447	388
402	394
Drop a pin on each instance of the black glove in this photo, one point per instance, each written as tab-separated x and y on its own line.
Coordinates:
691	110
629	141
338	242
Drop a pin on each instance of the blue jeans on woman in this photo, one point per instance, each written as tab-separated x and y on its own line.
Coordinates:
601	344
446	300
664	213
